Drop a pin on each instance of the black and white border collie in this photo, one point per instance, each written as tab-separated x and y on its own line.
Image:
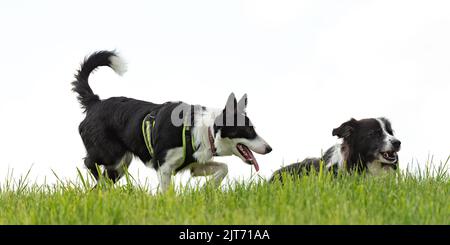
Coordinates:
369	145
112	131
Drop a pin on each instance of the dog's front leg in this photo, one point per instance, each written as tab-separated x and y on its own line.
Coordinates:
171	161
217	169
164	176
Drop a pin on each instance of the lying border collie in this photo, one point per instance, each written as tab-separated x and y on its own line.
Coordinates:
368	145
112	131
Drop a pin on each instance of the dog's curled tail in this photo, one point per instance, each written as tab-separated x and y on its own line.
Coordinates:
86	96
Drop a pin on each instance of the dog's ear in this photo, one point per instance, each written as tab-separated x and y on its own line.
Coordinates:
231	103
242	104
346	129
228	114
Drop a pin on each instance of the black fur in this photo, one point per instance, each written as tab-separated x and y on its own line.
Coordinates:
81	86
112	127
232	128
306	166
362	142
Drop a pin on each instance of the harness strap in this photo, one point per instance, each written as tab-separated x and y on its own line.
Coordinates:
189	147
148	125
188	142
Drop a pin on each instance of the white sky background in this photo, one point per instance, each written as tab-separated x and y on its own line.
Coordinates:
307	66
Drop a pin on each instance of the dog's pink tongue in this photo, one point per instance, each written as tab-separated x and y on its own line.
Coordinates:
255	164
253	159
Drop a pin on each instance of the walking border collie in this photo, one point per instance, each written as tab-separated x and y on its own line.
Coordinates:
368	145
112	131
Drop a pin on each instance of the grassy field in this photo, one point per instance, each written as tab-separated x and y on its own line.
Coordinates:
315	199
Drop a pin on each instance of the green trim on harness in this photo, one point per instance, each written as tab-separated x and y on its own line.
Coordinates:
148	125
188	149
193	142
147	132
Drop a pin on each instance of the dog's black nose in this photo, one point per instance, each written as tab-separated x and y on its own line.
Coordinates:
396	143
268	149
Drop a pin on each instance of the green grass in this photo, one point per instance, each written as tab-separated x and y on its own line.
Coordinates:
316	199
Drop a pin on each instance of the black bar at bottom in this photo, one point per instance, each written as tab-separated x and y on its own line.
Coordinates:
226	234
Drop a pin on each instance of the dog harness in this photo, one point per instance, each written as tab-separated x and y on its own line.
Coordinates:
148	126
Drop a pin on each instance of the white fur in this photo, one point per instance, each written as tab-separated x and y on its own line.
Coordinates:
336	158
376	168
204	121
387	144
227	146
257	145
118	65
218	170
172	160
224	146
204	165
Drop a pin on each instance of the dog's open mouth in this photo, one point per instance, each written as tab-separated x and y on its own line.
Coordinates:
248	155
390	156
